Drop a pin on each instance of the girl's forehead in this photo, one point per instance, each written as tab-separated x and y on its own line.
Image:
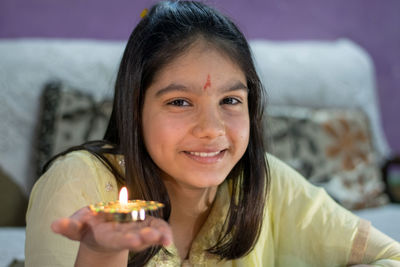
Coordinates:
201	63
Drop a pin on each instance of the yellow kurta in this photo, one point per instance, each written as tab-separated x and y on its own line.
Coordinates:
302	226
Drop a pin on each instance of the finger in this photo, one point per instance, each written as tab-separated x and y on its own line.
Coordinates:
138	239
167	237
150	235
144	239
164	229
165	233
73	227
82	214
67	227
133	242
163	236
121	241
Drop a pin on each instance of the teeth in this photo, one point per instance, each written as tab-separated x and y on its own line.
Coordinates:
204	154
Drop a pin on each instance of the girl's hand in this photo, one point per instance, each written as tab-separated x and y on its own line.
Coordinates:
98	235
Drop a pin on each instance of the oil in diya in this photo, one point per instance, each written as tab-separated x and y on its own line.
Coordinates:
124	210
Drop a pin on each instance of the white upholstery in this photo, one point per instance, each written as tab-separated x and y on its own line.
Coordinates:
313	74
335	74
12	241
26	65
321	74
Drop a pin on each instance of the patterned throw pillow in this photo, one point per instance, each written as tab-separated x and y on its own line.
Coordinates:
68	118
331	148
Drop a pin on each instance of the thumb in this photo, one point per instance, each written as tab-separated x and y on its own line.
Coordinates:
69	228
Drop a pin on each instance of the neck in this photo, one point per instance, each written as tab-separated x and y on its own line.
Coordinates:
189	210
189	202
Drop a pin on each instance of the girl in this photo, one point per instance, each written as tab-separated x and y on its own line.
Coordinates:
186	131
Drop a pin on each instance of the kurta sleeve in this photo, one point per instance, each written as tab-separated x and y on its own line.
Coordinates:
72	182
311	229
381	250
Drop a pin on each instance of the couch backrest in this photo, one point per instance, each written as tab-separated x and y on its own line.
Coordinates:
335	74
26	65
328	74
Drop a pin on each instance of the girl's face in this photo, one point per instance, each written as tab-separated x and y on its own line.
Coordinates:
196	119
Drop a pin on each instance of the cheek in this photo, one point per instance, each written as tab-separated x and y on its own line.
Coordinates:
160	134
239	130
151	134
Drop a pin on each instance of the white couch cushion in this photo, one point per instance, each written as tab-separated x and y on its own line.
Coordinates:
320	74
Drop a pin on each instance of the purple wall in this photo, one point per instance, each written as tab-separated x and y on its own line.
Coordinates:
374	24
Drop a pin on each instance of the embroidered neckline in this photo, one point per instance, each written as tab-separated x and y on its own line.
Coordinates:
206	238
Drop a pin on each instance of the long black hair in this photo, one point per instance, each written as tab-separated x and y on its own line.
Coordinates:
169	29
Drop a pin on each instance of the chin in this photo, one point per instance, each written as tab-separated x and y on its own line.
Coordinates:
202	182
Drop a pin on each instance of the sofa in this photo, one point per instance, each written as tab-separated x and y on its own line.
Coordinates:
56	93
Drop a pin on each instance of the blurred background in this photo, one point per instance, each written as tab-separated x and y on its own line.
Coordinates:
104	26
373	24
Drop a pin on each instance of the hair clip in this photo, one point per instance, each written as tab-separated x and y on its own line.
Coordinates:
144	13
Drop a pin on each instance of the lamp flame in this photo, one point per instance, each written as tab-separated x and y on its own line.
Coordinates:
123	196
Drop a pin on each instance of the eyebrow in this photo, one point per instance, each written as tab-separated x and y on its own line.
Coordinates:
180	87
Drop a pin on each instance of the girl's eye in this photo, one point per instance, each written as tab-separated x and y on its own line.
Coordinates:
230	101
178	102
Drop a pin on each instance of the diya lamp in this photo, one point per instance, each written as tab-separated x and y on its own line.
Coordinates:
124	210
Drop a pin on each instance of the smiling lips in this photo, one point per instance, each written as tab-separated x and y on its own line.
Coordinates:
206	157
204	154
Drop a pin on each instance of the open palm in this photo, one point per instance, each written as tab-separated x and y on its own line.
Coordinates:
103	236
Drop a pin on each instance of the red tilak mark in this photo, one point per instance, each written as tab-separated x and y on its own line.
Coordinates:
208	83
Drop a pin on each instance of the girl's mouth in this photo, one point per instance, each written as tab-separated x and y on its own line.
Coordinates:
205	154
206	157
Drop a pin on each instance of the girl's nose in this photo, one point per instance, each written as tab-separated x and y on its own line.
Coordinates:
209	124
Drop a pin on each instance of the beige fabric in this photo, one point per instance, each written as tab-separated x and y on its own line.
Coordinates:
72	182
382	250
302	225
360	242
